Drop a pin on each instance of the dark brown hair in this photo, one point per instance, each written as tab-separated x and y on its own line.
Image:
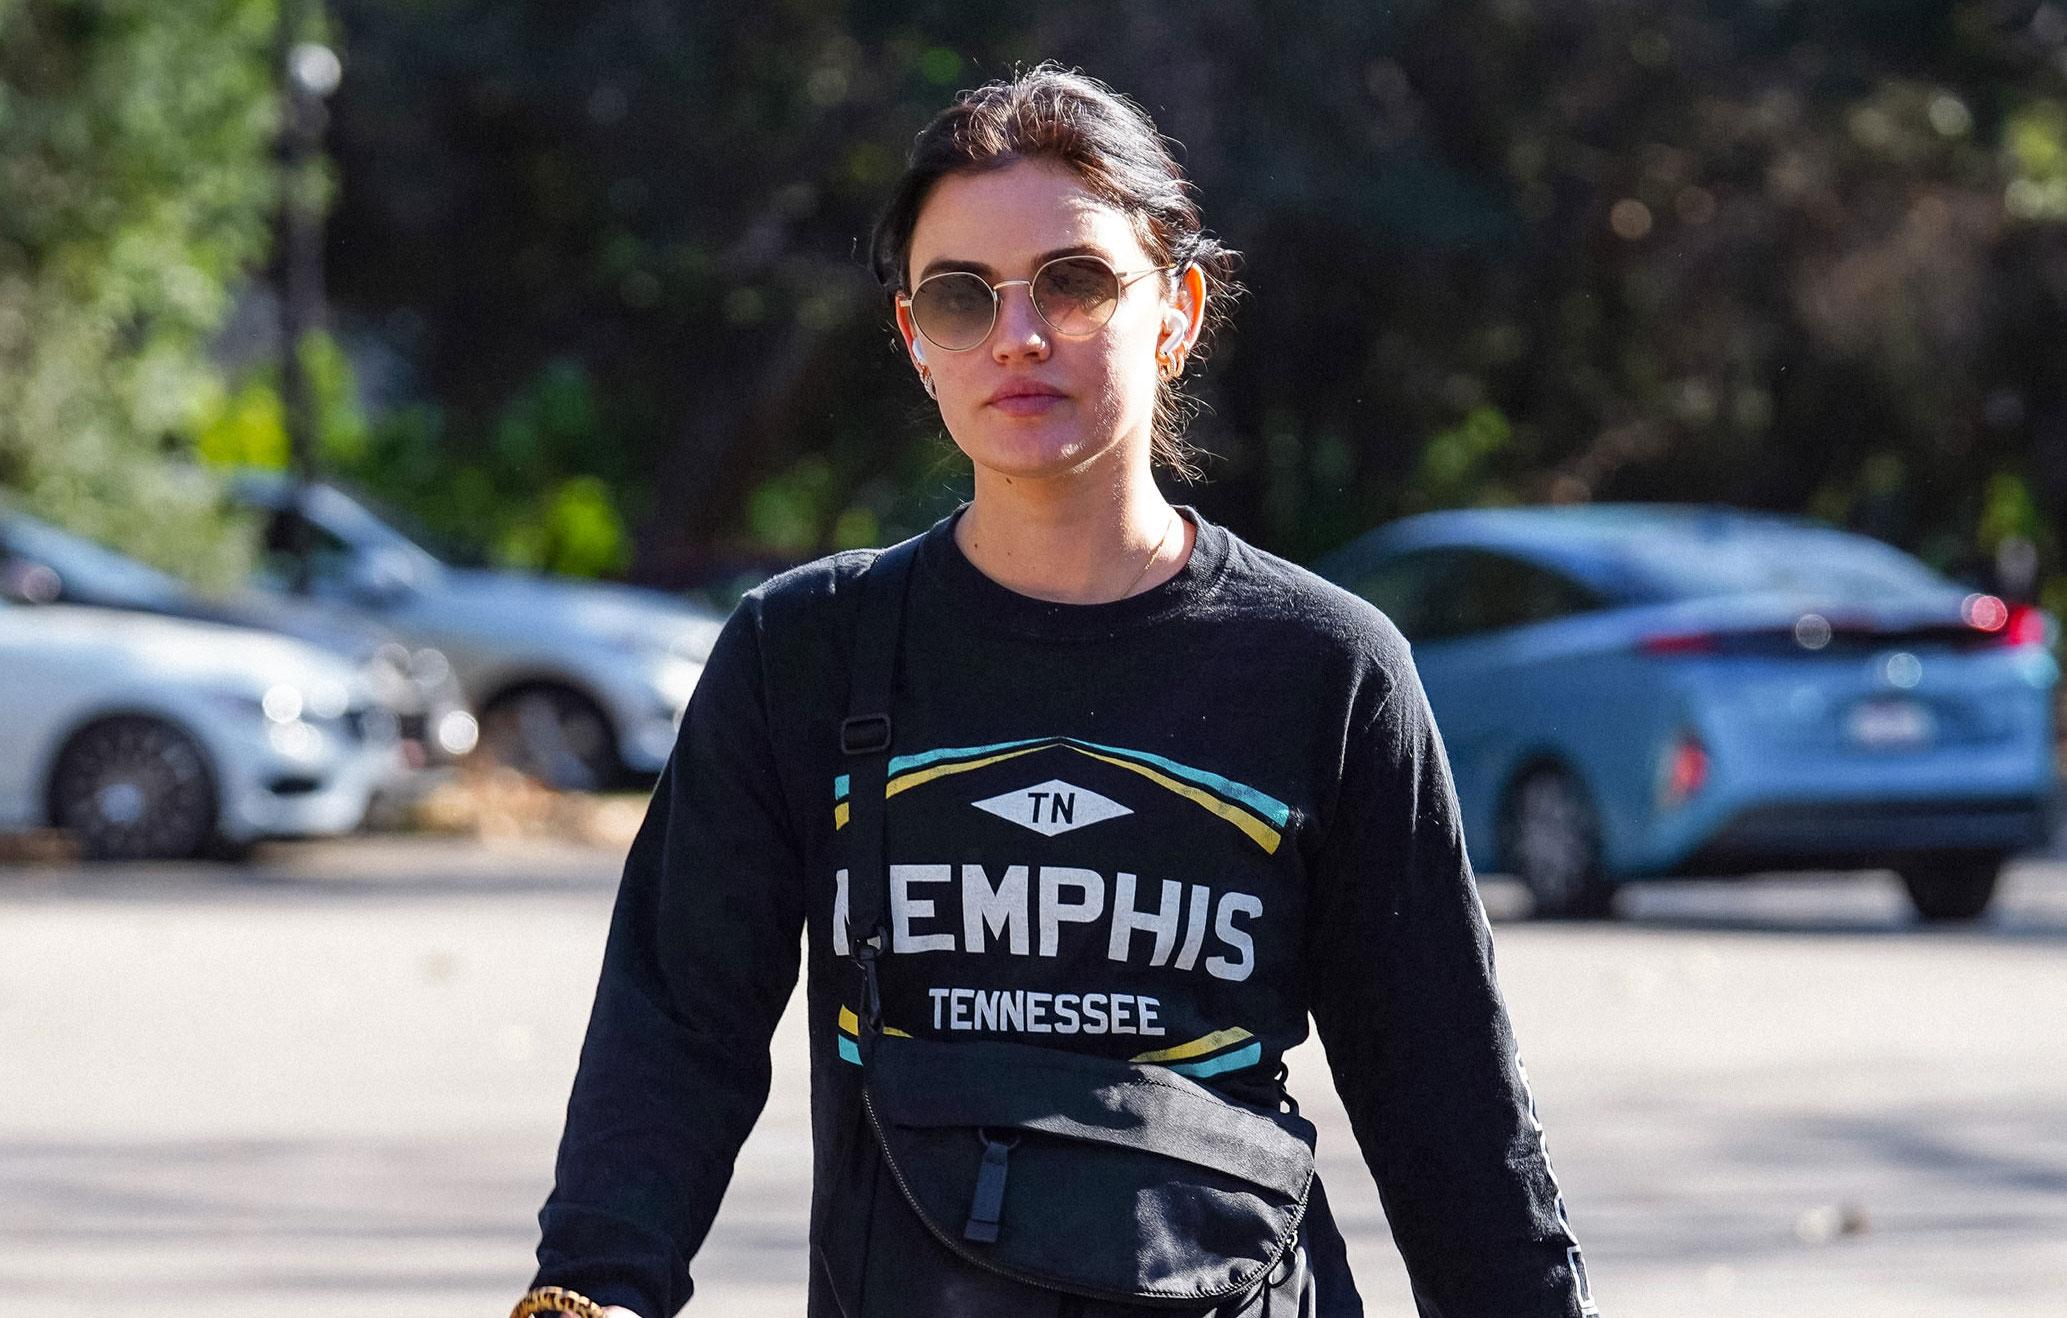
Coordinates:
1052	113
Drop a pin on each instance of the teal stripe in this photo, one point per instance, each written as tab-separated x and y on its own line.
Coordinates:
899	764
1268	806
1234	1061
848	1052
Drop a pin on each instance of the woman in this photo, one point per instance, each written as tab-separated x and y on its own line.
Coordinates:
1155	794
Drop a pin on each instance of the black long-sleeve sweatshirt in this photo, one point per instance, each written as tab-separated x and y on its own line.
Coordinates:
1165	828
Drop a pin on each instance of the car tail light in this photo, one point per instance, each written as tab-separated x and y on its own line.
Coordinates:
1680	643
2025	626
1685	770
2004	624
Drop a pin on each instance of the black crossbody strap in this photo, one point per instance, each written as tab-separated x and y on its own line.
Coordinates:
865	737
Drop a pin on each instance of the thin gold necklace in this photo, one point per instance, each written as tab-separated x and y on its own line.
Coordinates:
1153	555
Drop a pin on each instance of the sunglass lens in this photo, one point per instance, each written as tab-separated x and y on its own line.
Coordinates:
954	310
1076	295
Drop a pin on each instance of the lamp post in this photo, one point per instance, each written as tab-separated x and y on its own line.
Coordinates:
309	72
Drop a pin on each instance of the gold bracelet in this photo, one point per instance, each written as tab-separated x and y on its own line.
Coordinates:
556	1299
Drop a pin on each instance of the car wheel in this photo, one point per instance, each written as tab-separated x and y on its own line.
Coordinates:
554	734
1550	840
134	788
1952	888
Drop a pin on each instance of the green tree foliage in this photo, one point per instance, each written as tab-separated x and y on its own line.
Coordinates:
135	192
1760	248
1773	253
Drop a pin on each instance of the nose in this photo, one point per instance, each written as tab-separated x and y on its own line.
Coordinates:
1021	334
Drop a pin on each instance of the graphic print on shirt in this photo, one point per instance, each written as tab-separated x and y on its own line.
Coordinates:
1073	888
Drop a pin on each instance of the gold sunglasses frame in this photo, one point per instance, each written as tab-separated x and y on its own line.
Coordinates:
1123	279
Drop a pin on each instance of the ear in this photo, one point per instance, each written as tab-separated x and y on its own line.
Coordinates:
1185	314
909	332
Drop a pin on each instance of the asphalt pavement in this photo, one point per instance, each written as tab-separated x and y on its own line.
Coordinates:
331	1083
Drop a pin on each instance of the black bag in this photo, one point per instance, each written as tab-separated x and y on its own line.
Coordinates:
1031	1180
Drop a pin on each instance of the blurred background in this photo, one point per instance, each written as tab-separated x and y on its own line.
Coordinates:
395	396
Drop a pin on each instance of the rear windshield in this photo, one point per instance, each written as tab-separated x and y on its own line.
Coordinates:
89	571
1806	562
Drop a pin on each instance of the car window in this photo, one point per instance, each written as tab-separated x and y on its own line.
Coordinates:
87	570
1483	591
1402	586
348	519
329	555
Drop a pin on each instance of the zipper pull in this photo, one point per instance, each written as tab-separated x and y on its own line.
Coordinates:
988	1205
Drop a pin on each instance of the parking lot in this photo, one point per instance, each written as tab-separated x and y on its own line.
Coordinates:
332	1084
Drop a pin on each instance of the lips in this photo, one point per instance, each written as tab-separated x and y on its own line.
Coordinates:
1024	398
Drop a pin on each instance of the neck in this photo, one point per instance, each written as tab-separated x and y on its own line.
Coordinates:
1075	539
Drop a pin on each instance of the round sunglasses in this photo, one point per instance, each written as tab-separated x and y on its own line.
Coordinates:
1075	295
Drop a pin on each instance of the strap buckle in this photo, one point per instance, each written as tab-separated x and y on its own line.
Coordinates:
865	734
866	949
865	952
1284	1073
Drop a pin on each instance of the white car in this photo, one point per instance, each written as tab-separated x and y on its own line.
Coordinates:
160	737
45	564
581	684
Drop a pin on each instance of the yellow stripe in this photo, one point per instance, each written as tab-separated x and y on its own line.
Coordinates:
1259	832
920	777
852	1024
1210	1043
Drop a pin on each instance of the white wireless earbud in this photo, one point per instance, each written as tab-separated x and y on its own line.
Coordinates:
1174	325
918	354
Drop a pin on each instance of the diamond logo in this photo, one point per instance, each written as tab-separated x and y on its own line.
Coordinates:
1053	807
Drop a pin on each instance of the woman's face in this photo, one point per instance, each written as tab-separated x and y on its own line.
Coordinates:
1095	395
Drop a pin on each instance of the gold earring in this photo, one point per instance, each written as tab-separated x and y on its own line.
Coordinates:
926	379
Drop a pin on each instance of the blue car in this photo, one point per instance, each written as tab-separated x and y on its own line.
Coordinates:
1635	691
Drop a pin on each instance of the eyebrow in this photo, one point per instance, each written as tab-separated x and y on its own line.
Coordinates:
979	268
